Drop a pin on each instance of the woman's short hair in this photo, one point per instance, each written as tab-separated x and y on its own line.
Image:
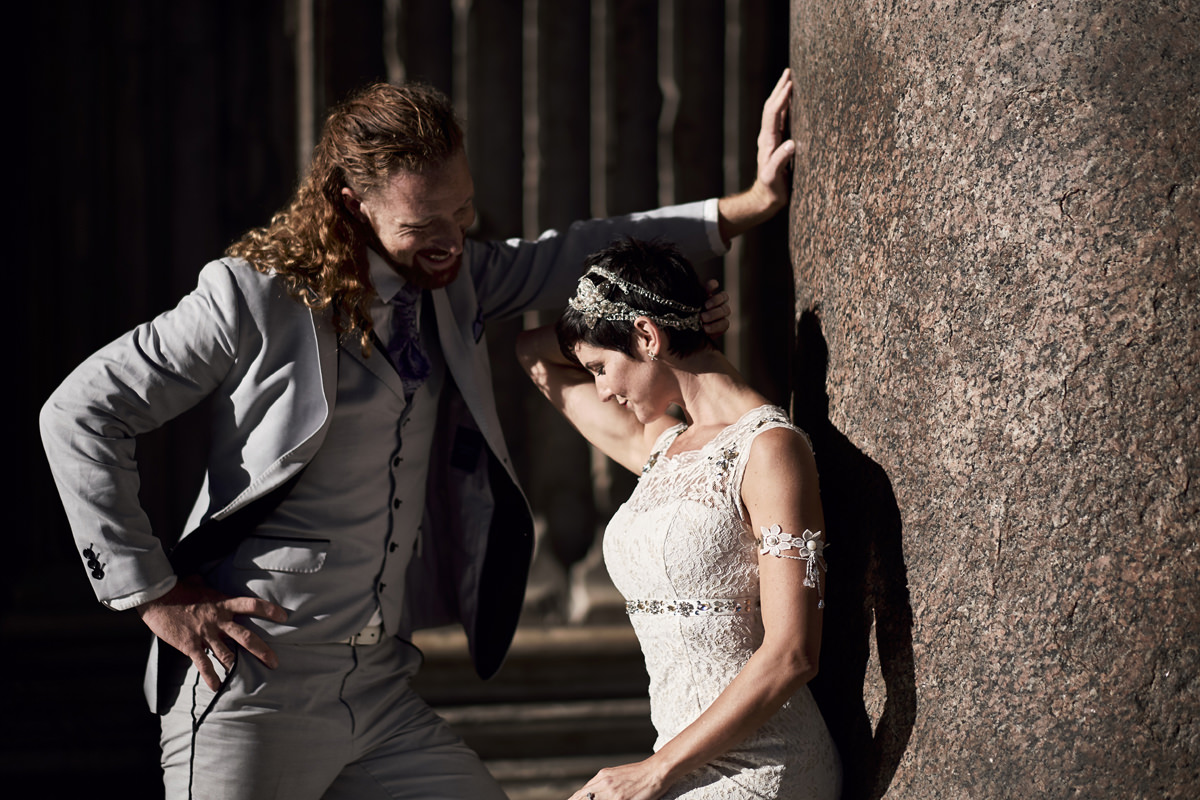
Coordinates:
660	271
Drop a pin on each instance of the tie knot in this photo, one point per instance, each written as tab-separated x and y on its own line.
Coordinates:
404	312
407	295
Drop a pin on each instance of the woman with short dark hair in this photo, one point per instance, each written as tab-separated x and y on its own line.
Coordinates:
718	551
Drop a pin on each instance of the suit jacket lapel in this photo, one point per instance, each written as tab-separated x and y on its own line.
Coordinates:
455	350
377	362
324	348
463	359
323	331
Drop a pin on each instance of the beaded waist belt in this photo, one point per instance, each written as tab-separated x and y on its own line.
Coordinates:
693	608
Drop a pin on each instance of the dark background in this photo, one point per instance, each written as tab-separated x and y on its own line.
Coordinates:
150	135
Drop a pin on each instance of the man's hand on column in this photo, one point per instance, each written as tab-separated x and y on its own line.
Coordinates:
769	193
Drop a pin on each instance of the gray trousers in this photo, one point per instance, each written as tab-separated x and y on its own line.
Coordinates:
333	721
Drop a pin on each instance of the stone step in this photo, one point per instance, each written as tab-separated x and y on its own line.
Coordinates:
554	730
544	664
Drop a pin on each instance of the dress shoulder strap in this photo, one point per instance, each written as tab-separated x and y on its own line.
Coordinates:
744	432
662	444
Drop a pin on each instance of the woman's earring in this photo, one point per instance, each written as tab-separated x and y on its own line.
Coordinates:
653	355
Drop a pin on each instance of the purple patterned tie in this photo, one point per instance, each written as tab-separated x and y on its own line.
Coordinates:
404	346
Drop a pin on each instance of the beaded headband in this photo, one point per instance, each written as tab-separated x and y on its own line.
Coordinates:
590	301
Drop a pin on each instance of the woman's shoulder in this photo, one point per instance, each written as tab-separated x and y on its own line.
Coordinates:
779	453
761	419
771	443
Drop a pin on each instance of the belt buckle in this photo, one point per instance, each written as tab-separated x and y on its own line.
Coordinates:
368	635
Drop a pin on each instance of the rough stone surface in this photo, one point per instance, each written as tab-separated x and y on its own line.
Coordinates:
995	231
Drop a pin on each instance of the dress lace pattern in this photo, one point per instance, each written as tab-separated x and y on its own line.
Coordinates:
683	538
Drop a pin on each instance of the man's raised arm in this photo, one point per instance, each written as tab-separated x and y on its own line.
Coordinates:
740	212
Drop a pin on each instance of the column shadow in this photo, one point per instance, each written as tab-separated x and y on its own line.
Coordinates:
867	582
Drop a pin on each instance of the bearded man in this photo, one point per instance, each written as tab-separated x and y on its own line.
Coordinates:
358	487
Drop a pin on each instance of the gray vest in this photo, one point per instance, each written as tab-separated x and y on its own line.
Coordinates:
335	550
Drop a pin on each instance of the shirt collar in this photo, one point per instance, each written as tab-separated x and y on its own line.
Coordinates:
387	281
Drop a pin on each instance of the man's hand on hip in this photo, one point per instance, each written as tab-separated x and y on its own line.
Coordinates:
198	621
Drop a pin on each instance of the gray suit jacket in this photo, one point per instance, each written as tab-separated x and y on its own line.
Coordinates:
270	365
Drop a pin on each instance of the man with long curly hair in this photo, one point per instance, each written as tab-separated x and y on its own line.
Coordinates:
358	487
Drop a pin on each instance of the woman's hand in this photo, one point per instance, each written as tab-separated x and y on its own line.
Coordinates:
638	781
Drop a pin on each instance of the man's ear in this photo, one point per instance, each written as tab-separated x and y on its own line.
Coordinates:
353	204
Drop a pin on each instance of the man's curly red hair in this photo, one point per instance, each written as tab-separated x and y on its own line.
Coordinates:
315	244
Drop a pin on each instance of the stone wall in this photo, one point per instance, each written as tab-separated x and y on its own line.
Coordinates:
995	241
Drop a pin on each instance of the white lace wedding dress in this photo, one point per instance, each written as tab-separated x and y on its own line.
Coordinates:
682	554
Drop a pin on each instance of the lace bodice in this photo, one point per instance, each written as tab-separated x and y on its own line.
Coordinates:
693	491
681	552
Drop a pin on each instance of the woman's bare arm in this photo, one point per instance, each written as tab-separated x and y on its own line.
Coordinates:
571	389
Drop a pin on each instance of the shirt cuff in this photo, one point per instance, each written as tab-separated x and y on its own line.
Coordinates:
713	227
154	592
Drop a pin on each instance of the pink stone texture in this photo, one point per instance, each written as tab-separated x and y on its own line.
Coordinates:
995	235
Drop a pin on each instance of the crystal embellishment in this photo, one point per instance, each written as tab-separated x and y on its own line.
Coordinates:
592	303
692	607
724	459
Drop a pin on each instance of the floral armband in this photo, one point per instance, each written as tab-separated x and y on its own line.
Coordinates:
809	547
